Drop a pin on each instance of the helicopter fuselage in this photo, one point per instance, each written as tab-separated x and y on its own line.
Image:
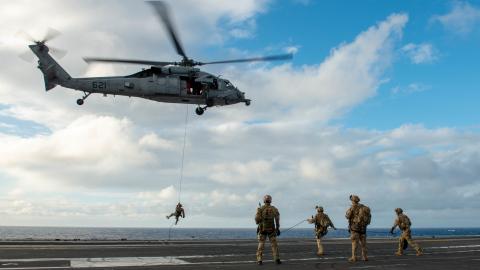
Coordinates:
200	88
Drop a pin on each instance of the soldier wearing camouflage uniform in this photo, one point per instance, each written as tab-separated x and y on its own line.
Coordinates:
403	223
179	212
268	220
322	222
358	216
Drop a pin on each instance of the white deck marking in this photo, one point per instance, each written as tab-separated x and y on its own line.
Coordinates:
375	266
125	261
446	247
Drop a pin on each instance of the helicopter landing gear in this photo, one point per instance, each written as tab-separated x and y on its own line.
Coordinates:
247	102
199	110
80	101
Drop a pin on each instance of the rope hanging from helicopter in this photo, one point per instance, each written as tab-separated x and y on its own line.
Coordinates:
183	156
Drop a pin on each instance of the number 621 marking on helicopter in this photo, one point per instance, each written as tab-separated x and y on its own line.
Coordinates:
99	85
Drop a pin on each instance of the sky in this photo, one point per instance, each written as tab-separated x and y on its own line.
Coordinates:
380	100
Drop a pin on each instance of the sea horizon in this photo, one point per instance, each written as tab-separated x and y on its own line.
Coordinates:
179	233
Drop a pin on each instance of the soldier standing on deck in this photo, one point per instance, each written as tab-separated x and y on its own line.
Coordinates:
358	216
403	223
322	222
268	220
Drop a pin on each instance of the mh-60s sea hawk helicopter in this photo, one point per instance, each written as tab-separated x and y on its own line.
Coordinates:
172	82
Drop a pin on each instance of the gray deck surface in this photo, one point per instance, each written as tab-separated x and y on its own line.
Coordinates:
447	253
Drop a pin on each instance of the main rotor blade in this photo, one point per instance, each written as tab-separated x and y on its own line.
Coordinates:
162	11
27	56
51	34
58	53
25	36
127	61
255	59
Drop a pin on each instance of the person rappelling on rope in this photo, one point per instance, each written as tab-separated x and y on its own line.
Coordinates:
179	212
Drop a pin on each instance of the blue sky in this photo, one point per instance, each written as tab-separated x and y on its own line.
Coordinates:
449	83
381	100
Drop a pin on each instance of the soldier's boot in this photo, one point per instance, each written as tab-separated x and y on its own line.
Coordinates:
277	261
320	248
354	250
399	253
364	255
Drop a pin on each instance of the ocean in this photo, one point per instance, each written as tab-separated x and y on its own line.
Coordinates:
83	233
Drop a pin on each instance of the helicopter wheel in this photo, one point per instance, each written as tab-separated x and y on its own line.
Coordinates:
80	101
199	110
247	103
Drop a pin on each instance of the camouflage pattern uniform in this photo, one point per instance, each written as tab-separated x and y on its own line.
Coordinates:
403	223
358	227
268	220
322	222
179	212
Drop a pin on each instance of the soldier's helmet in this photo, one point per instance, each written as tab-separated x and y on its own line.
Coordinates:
398	210
319	208
179	204
354	198
267	199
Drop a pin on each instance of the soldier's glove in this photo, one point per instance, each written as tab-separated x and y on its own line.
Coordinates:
278	232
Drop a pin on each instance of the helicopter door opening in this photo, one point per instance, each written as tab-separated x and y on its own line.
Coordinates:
193	87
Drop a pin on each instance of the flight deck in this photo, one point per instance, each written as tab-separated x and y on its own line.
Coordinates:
440	253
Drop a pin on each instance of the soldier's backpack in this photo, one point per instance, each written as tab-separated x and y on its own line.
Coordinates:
361	219
321	225
267	224
404	222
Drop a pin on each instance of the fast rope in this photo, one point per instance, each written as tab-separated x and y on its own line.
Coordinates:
170	231
183	156
294	226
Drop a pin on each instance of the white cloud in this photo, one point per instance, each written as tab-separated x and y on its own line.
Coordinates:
292	49
461	20
91	151
348	76
321	171
237	173
410	89
420	53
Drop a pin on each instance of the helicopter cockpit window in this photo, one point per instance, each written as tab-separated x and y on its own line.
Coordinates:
228	84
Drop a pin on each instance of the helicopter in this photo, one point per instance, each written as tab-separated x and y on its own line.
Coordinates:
170	82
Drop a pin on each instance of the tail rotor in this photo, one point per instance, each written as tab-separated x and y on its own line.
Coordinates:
49	35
